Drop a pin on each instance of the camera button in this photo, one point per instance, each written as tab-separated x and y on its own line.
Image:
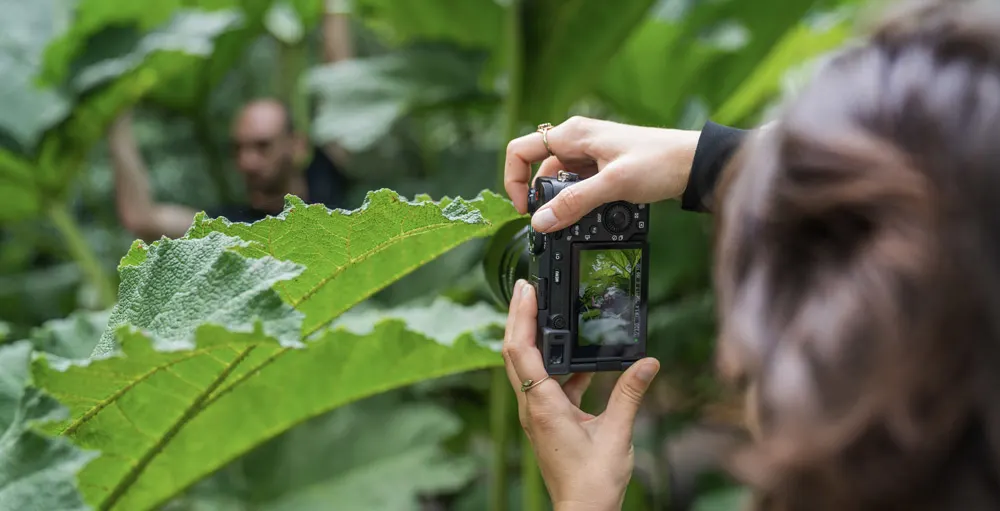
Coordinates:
593	229
576	230
557	256
542	290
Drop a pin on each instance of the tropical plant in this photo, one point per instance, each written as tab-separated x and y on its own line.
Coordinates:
256	366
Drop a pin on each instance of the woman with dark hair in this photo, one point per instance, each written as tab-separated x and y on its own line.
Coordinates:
857	272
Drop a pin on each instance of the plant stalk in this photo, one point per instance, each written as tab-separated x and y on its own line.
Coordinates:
515	82
83	254
533	496
500	431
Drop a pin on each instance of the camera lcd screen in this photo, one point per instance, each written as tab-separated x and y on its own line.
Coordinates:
608	295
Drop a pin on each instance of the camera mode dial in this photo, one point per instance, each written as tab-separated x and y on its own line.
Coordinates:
617	218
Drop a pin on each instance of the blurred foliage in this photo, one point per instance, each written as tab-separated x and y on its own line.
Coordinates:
425	107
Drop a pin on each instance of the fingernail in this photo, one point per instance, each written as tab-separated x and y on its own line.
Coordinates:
647	371
526	289
543	219
517	286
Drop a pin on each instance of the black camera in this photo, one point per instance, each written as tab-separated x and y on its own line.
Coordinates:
590	279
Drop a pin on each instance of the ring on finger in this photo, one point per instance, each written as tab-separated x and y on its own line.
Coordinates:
544	130
529	384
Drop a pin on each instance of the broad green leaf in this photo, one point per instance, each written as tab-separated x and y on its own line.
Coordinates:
567	46
360	100
802	43
25	30
345	460
349	255
704	53
176	388
165	420
73	337
4	331
37	472
474	24
172	287
189	32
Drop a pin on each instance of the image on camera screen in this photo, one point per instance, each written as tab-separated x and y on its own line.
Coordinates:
608	296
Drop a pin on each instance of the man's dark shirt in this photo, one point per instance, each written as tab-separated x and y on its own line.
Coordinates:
716	146
324	180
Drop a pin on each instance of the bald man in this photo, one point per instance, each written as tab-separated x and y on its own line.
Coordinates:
268	153
273	159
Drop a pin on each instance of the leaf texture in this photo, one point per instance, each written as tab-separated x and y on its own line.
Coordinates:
223	340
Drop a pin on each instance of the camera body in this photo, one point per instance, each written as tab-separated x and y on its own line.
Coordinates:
591	282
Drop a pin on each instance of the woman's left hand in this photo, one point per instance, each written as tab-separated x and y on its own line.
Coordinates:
586	461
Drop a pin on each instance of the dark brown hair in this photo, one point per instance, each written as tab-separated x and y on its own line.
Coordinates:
858	275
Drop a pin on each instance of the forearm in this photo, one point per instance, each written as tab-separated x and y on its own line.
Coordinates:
137	210
337	42
133	193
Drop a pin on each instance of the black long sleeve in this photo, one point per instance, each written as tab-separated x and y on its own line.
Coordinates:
716	146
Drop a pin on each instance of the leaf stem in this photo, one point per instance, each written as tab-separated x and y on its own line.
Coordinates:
500	431
533	495
515	82
83	254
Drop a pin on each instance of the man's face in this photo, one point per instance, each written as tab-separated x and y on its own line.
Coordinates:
263	149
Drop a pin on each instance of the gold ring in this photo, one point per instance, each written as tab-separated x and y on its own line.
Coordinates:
544	130
527	385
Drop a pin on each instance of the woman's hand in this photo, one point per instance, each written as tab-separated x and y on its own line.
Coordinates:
615	162
586	461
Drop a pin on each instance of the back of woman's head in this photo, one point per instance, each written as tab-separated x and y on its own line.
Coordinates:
858	274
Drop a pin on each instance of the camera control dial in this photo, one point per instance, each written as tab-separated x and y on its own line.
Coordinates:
617	217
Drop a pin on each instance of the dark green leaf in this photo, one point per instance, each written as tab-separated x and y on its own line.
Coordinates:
28	109
37	472
346	459
361	100
73	337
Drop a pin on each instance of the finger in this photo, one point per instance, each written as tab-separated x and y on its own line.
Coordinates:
515	380
573	202
628	393
568	140
521	153
576	386
524	354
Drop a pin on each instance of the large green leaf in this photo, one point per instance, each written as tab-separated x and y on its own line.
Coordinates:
802	43
703	53
469	23
37	472
58	149
567	46
361	100
25	30
191	33
164	420
73	337
348	256
345	460
203	359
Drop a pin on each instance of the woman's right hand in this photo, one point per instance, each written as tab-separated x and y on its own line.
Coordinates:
615	162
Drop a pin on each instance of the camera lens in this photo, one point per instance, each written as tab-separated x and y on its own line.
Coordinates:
617	217
507	259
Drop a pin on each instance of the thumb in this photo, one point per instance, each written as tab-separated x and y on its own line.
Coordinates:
574	201
628	393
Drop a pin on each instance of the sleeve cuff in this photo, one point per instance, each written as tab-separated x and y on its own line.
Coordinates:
716	146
